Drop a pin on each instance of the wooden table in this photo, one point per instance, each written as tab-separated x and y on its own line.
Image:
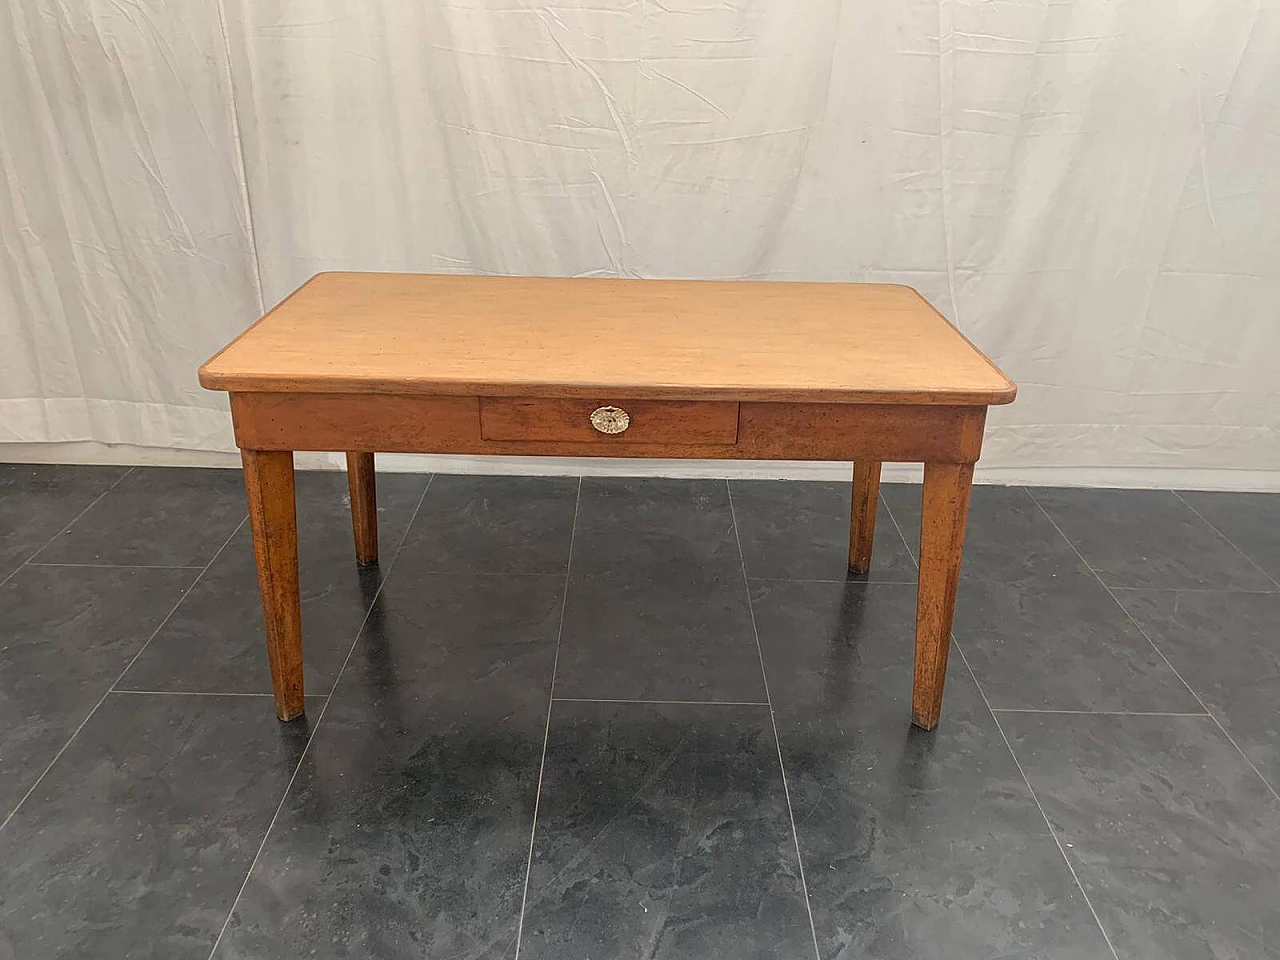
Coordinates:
365	362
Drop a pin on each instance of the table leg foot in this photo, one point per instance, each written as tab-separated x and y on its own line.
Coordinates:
862	519
364	506
268	479
946	508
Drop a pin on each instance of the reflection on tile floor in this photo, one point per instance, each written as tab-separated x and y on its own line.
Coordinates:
635	718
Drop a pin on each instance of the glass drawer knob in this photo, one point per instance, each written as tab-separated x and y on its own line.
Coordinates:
610	420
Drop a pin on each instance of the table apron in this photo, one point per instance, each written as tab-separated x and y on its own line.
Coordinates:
388	423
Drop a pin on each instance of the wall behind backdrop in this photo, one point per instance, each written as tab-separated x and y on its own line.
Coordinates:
1090	189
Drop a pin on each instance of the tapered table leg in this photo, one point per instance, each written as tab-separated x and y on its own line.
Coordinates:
946	508
364	505
862	520
268	480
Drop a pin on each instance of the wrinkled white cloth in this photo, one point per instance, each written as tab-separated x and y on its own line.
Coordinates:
1089	188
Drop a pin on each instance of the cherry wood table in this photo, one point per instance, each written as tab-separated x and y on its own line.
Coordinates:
365	362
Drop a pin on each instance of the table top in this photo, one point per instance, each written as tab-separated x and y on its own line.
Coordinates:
602	338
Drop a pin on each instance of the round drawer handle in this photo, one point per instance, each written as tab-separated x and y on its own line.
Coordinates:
610	420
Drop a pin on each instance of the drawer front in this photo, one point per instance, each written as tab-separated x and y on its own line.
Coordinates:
673	422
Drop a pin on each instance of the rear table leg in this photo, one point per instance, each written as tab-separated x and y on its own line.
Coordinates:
364	506
862	520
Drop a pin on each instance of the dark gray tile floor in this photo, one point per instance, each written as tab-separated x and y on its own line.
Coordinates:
635	718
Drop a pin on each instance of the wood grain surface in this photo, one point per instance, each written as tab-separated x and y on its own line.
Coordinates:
651	421
586	338
862	515
945	513
268	480
363	488
766	431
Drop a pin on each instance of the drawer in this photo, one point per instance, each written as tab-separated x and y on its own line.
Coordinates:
673	422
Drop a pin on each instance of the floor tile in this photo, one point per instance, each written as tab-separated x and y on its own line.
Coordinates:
136	842
645	525
663	829
407	831
1008	539
657	608
215	641
38	500
1225	645
1174	837
429	640
799	530
1063	644
1251	521
65	635
1148	538
915	845
663	832
659	636
473	524
167	516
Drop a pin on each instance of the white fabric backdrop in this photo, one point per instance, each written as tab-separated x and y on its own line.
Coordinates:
1090	188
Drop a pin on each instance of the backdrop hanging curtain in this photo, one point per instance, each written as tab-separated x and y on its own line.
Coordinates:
1089	189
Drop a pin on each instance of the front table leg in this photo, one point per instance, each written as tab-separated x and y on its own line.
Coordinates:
268	479
946	507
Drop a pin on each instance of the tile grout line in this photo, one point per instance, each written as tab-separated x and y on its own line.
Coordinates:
901	536
1141	629
1233	544
1017	763
693	703
1035	799
1231	590
93	503
546	733
1103	713
117	566
154	633
190	693
319	719
881	583
489	573
777	741
185	593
